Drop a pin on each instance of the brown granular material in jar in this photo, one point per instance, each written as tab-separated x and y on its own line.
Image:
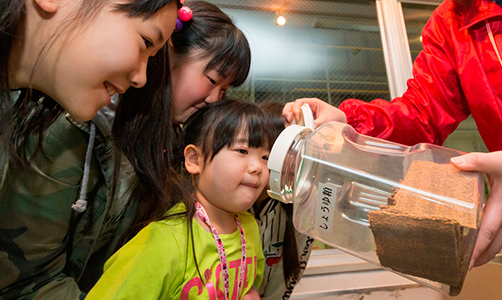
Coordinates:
423	236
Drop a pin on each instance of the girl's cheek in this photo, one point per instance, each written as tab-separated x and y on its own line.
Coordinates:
203	90
266	171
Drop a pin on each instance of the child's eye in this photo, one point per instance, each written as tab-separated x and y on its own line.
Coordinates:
242	151
213	82
265	157
147	42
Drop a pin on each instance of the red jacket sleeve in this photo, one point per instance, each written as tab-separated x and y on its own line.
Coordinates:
434	103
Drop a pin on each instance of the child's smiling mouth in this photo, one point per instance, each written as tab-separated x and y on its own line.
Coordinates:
251	185
111	89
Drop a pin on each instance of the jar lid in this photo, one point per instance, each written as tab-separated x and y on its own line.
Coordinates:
277	157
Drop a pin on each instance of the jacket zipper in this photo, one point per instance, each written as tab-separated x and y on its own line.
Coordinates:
492	39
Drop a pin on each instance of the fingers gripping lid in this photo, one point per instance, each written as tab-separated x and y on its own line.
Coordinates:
277	156
307	119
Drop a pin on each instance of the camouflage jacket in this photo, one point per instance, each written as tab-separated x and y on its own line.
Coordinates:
44	244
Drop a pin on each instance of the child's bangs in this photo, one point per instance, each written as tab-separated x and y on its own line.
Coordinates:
241	118
254	127
259	131
232	57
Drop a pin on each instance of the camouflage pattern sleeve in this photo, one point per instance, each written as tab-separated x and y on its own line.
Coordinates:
44	244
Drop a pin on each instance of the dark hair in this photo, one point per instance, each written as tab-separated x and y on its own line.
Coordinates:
213	33
144	133
291	265
142	129
273	111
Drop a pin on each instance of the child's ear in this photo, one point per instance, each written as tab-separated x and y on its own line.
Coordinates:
193	162
49	6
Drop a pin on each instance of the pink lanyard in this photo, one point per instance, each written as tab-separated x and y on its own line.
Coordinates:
201	212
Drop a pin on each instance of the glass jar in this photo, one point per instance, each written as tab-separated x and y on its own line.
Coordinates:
405	208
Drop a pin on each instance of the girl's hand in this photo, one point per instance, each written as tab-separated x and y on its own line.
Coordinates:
252	294
323	112
489	240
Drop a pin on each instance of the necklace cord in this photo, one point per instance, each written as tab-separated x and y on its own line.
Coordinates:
200	211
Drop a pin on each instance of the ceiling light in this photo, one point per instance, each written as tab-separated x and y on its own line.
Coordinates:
281	20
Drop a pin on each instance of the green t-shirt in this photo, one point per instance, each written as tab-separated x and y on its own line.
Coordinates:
158	263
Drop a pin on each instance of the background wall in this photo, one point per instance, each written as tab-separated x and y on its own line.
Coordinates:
328	49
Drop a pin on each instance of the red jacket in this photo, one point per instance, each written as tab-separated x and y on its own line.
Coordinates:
457	74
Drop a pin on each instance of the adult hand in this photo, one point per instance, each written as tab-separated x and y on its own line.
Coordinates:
489	240
323	112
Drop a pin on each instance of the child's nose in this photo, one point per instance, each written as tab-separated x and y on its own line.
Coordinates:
255	165
215	95
138	75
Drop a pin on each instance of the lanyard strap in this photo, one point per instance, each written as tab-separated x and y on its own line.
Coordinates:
201	212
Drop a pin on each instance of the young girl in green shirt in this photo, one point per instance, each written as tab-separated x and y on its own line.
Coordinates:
207	247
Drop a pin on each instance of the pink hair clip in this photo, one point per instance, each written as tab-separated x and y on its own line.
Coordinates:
184	15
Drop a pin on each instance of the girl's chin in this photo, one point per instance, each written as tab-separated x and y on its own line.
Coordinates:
178	120
183	117
247	205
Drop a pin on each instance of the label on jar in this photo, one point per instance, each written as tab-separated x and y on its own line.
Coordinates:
325	207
